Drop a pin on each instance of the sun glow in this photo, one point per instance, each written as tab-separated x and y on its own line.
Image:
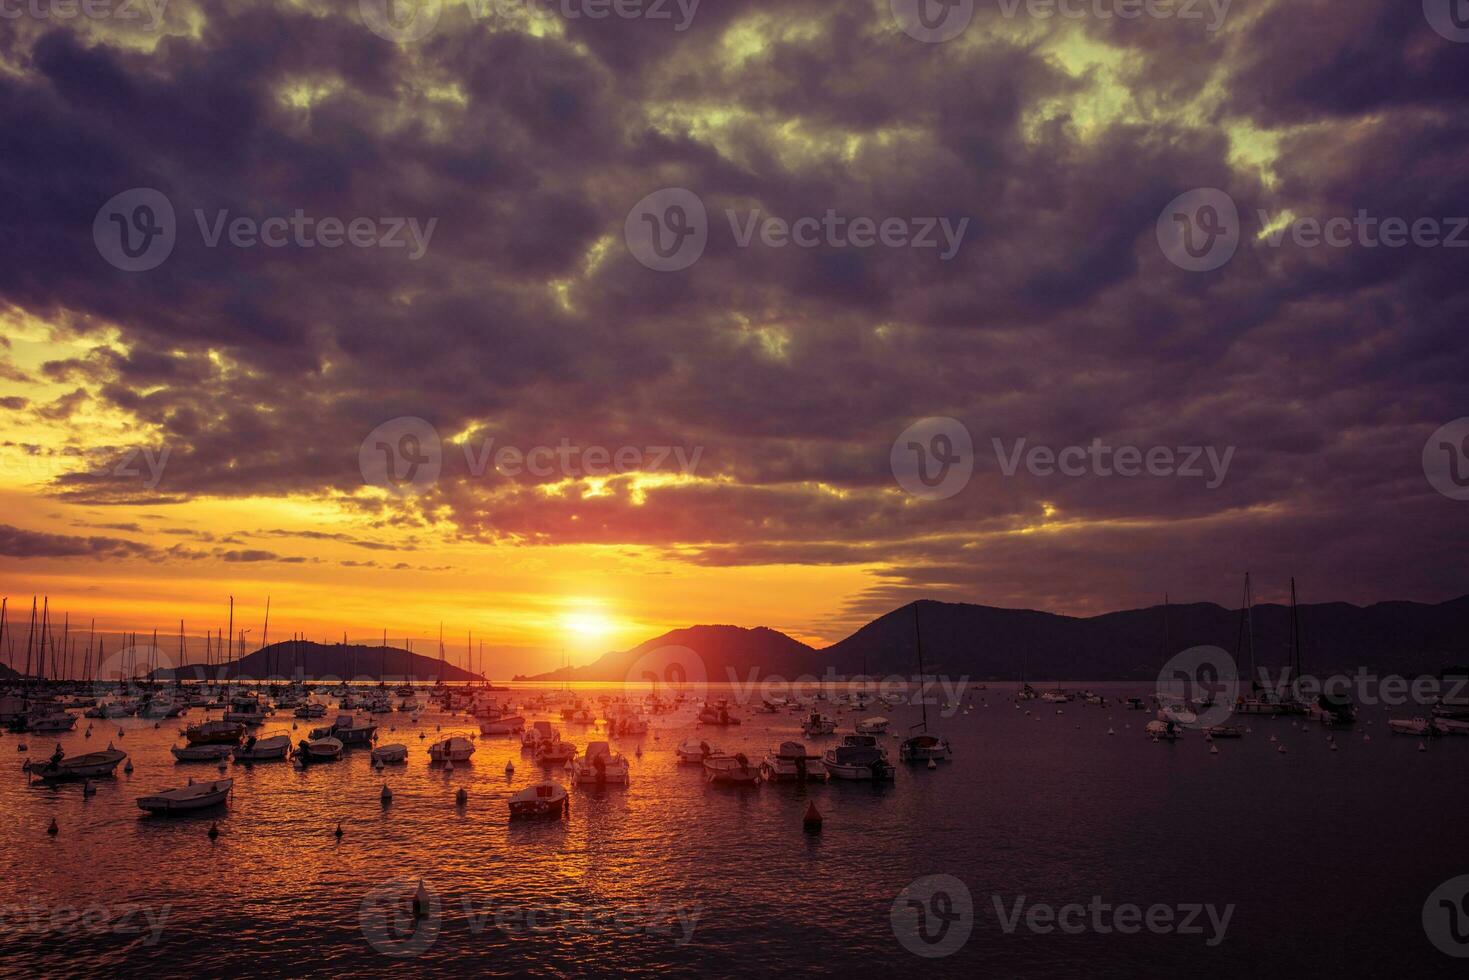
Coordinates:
590	626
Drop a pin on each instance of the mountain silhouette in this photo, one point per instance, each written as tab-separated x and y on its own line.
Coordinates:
989	643
315	661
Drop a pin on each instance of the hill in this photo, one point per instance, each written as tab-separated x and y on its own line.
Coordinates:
315	661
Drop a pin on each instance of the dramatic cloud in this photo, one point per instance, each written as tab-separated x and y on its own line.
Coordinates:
523	139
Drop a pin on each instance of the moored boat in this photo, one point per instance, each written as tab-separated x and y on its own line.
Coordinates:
694	751
599	765
545	799
200	753
924	747
323	749
215	733
92	765
789	762
390	754
507	725
557	753
455	748
263	749
717	713
858	758
817	724
195	796
876	725
731	770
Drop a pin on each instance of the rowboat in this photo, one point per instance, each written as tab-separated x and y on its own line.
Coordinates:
731	770
501	726
324	749
262	749
394	753
545	799
89	766
875	725
195	796
200	753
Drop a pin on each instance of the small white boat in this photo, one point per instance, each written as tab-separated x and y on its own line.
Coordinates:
502	726
731	770
876	725
627	723
263	749
546	799
693	751
201	753
312	710
817	724
540	732
49	723
858	758
390	754
323	749
925	747
557	753
90	766
600	766
352	730
1451	726
455	748
195	796
717	713
789	762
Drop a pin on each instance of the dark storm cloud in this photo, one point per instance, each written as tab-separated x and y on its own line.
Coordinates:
527	320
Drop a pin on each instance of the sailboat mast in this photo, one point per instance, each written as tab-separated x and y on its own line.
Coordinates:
922	697
232	636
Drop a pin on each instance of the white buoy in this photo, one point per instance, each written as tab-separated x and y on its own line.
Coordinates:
1280	749
932	764
1422	747
1333	746
1213	750
1111	730
1366	738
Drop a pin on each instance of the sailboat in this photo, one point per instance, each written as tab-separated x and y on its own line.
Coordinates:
925	745
1256	700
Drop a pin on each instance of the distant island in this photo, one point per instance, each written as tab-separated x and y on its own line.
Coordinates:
989	643
315	661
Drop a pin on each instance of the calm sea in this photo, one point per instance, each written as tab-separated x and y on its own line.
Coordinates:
1306	863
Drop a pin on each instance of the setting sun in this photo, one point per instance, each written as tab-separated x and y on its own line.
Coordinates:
591	626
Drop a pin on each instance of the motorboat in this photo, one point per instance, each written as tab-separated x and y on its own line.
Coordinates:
540	732
455	748
545	799
583	716
201	753
195	796
353	730
694	752
215	733
1177	714
324	749
112	709
1135	704
93	765
599	765
876	725
1419	726
817	724
390	754
924	747
627	723
408	704
731	770
1223	731
263	749
311	710
557	753
1057	696
789	762
50	722
501	726
1335	711
1159	729
156	709
247	709
1451	726
859	757
717	713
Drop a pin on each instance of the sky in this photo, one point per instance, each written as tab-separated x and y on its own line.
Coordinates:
568	323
